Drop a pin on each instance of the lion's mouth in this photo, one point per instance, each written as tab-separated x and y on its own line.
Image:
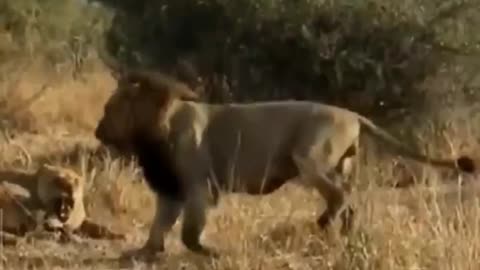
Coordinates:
63	207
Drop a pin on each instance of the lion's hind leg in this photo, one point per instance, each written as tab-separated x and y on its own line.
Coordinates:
335	199
332	194
316	157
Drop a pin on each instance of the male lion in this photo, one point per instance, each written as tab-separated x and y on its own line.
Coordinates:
52	198
181	143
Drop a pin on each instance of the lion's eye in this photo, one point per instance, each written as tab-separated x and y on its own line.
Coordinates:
135	85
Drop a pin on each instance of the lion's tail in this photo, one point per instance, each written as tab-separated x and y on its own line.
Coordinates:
464	163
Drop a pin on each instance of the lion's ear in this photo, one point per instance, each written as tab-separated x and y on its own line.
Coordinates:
134	87
136	82
115	74
187	94
184	92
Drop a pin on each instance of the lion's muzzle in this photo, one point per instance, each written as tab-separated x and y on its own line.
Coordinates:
99	132
102	135
112	142
63	207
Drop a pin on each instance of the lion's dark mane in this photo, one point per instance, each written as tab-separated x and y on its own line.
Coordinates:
159	170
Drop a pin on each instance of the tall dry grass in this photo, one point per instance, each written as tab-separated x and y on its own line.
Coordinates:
428	226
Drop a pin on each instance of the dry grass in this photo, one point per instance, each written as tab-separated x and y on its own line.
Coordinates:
418	228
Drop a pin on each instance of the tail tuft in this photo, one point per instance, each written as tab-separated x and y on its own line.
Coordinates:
466	164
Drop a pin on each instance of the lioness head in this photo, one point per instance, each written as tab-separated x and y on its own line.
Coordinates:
137	106
58	190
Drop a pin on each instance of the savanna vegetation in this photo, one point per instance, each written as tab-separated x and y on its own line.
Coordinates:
413	66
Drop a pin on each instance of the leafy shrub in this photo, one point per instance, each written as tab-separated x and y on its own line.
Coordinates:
367	55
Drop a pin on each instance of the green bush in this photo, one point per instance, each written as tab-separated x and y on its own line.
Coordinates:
343	52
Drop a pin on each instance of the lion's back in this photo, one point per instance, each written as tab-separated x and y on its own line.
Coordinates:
15	208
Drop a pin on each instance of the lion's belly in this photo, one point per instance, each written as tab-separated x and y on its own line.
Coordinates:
263	186
254	174
252	152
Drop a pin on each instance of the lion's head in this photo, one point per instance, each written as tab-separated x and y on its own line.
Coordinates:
137	106
58	190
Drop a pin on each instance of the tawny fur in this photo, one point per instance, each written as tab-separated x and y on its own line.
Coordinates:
17	214
185	145
50	198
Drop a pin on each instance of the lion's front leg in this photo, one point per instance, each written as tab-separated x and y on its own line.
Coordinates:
68	235
166	214
214	193
97	231
60	230
195	215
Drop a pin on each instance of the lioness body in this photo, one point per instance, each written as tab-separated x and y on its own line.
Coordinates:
254	148
51	197
17	212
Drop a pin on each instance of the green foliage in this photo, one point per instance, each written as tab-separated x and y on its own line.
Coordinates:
356	53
